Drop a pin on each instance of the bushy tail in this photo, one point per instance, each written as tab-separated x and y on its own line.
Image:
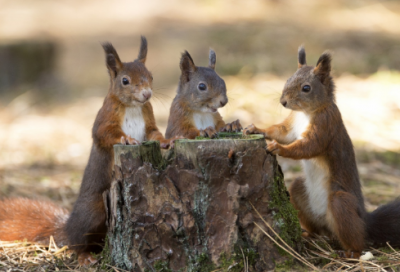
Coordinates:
383	224
32	220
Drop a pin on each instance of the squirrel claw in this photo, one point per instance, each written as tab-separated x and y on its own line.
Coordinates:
273	147
166	143
235	126
209	132
249	130
129	141
252	129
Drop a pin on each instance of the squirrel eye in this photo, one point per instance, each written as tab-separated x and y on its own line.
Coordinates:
202	87
306	88
125	81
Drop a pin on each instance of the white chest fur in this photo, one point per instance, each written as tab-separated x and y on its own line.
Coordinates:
133	124
203	120
317	182
300	123
316	170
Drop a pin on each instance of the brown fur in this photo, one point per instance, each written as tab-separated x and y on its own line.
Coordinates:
190	100
326	142
85	228
33	220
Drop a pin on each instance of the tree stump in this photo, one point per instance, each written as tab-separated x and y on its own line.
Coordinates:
191	209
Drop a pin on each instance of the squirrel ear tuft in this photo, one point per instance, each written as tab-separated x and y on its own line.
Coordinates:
301	56
212	59
113	62
323	67
143	50
187	66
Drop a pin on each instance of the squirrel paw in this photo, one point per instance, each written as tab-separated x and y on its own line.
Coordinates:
235	126
209	132
274	147
252	129
86	258
166	143
129	141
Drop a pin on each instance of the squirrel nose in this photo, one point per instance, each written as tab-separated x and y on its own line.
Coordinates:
223	103
284	103
147	95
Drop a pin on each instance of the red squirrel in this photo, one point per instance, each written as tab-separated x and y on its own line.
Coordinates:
329	199
194	110
126	117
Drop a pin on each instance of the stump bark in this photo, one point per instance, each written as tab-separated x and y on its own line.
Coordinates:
191	209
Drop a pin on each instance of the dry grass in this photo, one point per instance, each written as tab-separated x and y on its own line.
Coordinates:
319	255
24	256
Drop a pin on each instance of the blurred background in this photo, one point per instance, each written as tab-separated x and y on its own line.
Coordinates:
53	78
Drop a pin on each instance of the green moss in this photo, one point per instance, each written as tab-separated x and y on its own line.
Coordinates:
150	152
334	255
285	266
230	135
205	263
105	256
238	258
382	258
162	266
200	263
228	263
387	250
285	216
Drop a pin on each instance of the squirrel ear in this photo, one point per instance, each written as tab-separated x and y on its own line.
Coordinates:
187	65
301	56
212	59
143	50
323	67
113	62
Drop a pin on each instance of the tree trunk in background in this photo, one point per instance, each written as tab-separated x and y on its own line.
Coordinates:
190	210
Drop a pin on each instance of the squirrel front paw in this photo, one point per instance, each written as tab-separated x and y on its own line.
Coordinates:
209	132
235	126
129	141
166	143
274	148
252	129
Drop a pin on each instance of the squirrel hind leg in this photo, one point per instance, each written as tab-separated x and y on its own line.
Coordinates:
298	198
346	223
